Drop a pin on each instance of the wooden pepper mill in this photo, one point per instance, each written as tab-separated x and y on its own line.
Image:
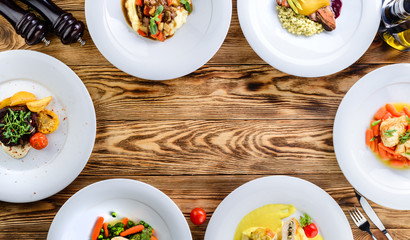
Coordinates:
26	24
67	28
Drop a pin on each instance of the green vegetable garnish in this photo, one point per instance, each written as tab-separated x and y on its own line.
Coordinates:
389	133
305	220
152	22
186	5
15	125
408	119
376	123
114	214
294	4
373	138
404	137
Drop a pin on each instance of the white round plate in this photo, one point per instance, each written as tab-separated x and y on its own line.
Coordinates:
194	44
128	198
305	196
381	184
43	173
319	55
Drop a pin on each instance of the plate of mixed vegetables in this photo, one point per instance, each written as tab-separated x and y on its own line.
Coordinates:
371	133
129	210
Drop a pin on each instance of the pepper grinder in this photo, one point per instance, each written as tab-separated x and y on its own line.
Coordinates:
26	24
67	27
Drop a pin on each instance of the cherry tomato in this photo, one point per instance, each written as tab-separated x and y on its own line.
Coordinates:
38	141
198	216
311	230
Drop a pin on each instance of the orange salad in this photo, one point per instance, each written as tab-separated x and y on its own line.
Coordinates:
388	134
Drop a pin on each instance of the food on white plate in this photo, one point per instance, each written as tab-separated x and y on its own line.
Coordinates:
269	223
388	134
24	121
157	19
308	17
124	229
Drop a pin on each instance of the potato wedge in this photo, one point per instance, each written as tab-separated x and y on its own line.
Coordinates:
39	105
21	98
5	103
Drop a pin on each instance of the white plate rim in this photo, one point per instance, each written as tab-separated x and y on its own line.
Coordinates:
363	184
370	22
67	177
242	190
220	23
173	210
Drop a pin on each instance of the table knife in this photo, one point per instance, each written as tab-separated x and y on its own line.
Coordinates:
372	215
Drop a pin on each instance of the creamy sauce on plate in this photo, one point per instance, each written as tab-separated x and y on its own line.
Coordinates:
17	152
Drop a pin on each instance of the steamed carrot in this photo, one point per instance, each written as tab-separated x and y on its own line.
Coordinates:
159	19
106	232
161	37
139	3
380	113
369	136
392	109
153	238
132	230
142	33
383	154
146	11
406	111
169	2
376	129
397	163
97	228
387	116
373	145
376	147
387	149
125	222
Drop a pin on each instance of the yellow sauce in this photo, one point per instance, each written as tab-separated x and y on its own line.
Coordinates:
311	6
269	216
318	237
400	106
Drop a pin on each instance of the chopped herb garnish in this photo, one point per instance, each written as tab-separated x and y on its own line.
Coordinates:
389	133
305	220
376	123
404	137
408	119
373	138
153	21
114	214
407	153
15	125
186	5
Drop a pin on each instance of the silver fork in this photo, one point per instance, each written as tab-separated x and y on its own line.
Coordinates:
360	221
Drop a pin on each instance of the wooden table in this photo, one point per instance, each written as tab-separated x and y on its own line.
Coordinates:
199	137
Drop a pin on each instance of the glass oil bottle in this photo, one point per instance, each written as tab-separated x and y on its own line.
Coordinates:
395	24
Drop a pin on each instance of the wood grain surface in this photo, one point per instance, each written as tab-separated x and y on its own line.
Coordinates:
199	137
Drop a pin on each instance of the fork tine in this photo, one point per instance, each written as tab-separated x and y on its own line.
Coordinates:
353	218
357	218
359	212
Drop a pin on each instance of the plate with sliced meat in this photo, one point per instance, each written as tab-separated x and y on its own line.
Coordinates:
309	38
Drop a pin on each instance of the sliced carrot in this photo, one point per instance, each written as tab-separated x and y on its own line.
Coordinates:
392	109
169	2
142	33
397	163
132	230
97	228
376	147
380	113
125	222
387	116
376	129
372	145
383	154
406	111
159	19
139	3
153	238
161	37
146	11
106	232
369	136
387	149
